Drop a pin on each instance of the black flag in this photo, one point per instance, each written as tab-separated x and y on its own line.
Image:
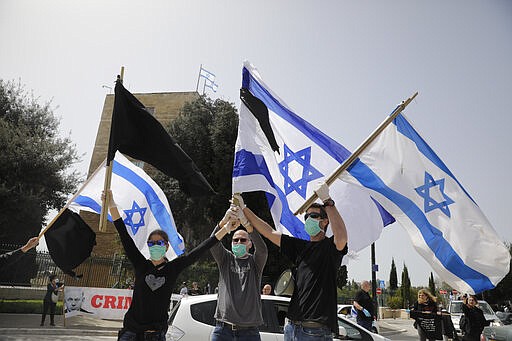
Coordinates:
70	241
135	132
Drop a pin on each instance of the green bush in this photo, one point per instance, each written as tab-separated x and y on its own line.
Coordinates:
26	307
395	302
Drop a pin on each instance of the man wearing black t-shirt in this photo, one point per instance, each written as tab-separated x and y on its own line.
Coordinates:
312	309
364	306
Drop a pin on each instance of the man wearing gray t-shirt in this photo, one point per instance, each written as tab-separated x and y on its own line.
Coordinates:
238	312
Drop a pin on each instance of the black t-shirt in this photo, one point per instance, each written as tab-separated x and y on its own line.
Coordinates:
364	300
315	295
153	284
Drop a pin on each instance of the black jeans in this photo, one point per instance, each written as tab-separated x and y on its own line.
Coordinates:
48	305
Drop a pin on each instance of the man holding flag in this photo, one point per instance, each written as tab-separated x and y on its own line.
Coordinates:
312	309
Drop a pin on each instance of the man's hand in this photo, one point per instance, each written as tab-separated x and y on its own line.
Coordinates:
322	191
237	200
240	215
229	216
366	313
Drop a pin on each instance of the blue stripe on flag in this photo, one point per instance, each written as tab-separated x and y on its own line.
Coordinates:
330	146
247	163
406	129
91	203
156	206
432	236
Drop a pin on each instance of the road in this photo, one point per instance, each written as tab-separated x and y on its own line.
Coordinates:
398	329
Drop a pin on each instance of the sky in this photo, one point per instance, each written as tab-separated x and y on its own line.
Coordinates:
341	65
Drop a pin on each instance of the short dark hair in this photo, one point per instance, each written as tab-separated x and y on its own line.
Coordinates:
161	233
323	213
52	277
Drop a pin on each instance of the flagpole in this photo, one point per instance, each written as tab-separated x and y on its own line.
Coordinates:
70	201
198	77
108	178
357	152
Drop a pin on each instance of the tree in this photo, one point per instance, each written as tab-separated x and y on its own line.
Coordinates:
34	165
405	288
393	280
432	284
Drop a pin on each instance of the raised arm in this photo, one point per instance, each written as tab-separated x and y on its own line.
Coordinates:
335	220
129	246
260	225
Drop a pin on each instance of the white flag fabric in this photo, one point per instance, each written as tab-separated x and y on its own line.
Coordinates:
207	74
288	176
141	202
445	224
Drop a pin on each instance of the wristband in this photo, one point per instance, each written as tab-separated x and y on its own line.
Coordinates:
329	202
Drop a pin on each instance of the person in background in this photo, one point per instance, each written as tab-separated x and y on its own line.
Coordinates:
425	307
184	289
267	290
195	290
32	242
50	299
475	317
364	306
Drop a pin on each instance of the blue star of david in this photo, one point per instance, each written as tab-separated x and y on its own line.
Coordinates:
430	204
129	217
309	173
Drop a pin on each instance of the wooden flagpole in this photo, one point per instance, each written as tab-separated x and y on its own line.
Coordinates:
70	201
357	152
108	179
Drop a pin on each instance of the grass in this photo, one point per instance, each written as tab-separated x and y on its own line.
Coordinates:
26	307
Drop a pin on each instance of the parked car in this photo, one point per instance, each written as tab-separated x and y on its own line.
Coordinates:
505	317
191	319
348	311
498	333
455	309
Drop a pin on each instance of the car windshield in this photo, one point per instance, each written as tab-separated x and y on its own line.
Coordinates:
456	308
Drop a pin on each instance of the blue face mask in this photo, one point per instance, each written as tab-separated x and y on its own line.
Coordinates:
239	250
157	252
312	226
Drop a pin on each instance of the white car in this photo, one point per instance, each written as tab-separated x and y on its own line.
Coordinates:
348	311
455	310
191	319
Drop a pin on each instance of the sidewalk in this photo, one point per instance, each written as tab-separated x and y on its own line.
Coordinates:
76	325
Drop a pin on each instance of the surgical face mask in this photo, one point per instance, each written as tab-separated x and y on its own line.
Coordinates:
157	252
239	250
312	226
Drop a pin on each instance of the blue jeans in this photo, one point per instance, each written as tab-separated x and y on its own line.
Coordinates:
225	333
366	324
126	335
295	332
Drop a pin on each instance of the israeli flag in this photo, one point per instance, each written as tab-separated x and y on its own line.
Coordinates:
211	85
207	75
285	156
141	202
445	224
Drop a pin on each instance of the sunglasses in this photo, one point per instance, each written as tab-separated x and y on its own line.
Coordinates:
160	242
313	215
241	240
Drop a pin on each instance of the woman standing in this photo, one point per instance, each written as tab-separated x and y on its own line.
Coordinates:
475	318
155	278
50	299
425	309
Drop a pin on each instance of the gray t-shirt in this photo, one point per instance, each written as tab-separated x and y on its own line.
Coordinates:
239	300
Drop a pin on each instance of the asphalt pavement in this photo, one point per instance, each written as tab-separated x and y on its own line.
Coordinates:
23	327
